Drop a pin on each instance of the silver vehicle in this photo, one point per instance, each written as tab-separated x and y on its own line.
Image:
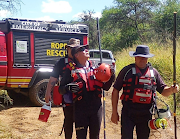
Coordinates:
107	57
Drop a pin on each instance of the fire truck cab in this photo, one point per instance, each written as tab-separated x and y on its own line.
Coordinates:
29	50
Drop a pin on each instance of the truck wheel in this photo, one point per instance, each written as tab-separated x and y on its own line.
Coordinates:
37	92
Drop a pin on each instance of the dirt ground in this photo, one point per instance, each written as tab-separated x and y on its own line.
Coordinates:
20	121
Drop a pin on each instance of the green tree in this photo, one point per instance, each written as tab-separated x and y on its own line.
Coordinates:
13	6
163	20
87	18
129	20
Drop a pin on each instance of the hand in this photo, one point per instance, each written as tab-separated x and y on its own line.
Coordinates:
115	118
175	89
48	97
73	87
112	70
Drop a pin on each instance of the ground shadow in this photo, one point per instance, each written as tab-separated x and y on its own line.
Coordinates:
19	100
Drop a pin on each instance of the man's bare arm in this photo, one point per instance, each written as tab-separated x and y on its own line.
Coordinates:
170	90
50	86
114	99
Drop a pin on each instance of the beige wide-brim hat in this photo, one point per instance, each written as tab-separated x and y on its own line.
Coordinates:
73	42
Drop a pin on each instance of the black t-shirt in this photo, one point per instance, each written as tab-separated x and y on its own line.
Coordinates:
58	68
124	74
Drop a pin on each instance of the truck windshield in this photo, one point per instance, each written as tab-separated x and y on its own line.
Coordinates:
97	55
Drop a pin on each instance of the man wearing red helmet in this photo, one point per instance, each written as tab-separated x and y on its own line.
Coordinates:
86	91
139	82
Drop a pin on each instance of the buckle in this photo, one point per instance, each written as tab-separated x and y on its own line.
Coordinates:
79	98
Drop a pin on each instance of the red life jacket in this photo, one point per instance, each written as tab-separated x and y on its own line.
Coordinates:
85	79
141	87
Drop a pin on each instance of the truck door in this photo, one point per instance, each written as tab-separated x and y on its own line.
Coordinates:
3	60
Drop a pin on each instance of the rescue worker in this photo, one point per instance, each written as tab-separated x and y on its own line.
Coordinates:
58	71
139	82
86	94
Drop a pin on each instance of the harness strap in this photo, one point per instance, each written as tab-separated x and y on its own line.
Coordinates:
133	70
66	60
79	95
131	93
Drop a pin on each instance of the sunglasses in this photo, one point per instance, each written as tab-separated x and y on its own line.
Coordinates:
81	49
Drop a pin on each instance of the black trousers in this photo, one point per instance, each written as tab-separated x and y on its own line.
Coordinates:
131	118
68	121
88	115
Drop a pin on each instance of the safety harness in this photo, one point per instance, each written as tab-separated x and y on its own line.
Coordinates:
85	78
141	87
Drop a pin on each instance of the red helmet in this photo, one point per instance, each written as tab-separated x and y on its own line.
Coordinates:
102	72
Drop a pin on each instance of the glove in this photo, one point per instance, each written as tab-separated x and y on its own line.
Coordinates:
73	87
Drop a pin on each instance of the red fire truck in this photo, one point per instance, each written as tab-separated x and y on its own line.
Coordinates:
29	50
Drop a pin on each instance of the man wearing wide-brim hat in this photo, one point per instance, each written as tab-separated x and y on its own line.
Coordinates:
59	72
139	82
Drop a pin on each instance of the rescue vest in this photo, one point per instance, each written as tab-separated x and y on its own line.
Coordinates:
85	78
141	87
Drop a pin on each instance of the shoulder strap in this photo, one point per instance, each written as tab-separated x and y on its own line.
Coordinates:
90	63
70	64
66	60
133	65
133	81
151	71
133	70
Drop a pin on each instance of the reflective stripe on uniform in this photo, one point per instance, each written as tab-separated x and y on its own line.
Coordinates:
144	81
143	95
